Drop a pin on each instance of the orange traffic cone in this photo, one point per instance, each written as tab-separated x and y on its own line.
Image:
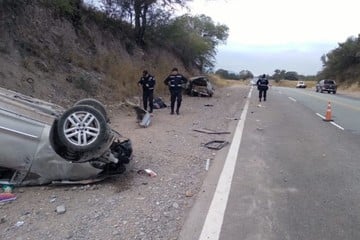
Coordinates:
328	113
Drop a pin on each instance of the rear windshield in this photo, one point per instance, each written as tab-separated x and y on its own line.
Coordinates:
329	82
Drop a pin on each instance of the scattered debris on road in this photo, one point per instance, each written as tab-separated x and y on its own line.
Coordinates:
6	197
189	193
208	131
216	144
19	223
207	165
232	118
147	171
143	117
60	209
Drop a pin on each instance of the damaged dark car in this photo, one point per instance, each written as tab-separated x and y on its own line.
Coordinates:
43	143
199	86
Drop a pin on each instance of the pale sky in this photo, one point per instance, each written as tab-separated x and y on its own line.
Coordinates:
265	35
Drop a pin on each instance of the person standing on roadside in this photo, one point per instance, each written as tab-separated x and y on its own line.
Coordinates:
262	85
147	82
175	81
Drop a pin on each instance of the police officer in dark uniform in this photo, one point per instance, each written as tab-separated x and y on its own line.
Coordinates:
174	81
148	83
262	85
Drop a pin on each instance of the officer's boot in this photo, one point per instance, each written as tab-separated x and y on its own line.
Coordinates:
178	108
172	108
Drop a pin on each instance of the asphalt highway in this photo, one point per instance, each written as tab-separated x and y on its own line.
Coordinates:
295	176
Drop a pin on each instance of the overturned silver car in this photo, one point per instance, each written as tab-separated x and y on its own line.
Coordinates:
43	143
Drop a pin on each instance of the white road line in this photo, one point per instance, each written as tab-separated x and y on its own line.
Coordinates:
215	216
320	115
333	123
337	125
292	99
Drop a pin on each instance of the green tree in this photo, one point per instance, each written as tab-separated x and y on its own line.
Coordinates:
276	76
137	12
343	62
195	38
245	74
227	75
291	75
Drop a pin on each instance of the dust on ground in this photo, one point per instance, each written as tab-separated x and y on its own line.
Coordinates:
132	206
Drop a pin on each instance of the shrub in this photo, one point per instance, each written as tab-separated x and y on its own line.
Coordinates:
69	9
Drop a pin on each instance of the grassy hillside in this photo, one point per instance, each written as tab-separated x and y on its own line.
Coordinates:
46	55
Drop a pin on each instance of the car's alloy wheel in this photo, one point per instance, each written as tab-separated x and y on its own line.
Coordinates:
82	128
95	104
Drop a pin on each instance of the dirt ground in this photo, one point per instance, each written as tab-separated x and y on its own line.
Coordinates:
132	206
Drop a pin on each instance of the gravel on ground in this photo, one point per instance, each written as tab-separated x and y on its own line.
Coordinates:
133	205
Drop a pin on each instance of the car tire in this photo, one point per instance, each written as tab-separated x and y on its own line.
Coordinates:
95	104
334	92
82	128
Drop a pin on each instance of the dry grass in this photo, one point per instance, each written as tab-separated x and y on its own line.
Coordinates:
355	87
76	59
352	90
220	82
288	83
122	75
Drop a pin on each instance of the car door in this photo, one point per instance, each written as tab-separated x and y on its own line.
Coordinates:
19	137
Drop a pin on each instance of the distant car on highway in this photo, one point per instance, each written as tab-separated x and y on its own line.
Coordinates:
300	84
254	81
326	85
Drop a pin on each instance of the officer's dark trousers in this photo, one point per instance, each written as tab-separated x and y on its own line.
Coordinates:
148	96
176	95
262	93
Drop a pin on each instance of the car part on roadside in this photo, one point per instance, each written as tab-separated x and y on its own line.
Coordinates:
199	86
216	144
146	120
143	117
208	131
43	143
147	171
